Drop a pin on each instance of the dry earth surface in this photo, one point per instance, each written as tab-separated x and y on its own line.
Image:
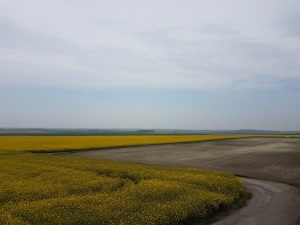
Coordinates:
274	159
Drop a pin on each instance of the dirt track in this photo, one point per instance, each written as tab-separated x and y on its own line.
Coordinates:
276	159
272	204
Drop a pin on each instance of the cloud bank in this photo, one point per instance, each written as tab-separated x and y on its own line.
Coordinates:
201	45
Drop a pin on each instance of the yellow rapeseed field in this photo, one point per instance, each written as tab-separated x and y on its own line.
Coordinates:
64	143
46	189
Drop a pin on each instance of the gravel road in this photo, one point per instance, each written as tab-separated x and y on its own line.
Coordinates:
273	159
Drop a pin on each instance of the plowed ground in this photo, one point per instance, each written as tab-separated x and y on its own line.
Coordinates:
276	159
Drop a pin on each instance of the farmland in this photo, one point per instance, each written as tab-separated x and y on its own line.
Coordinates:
267	159
46	189
275	159
73	143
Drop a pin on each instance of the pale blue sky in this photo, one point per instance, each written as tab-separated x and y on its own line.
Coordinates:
150	64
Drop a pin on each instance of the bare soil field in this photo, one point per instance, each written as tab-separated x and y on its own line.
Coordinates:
275	159
266	159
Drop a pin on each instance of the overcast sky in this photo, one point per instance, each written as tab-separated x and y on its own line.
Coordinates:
194	64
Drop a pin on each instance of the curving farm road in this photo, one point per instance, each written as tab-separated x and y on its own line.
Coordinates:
272	204
276	159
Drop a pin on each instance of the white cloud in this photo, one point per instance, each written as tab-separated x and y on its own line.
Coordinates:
161	44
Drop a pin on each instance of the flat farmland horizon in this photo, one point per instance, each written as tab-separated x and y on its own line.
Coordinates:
275	159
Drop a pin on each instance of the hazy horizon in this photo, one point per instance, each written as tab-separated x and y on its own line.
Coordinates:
208	65
139	129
